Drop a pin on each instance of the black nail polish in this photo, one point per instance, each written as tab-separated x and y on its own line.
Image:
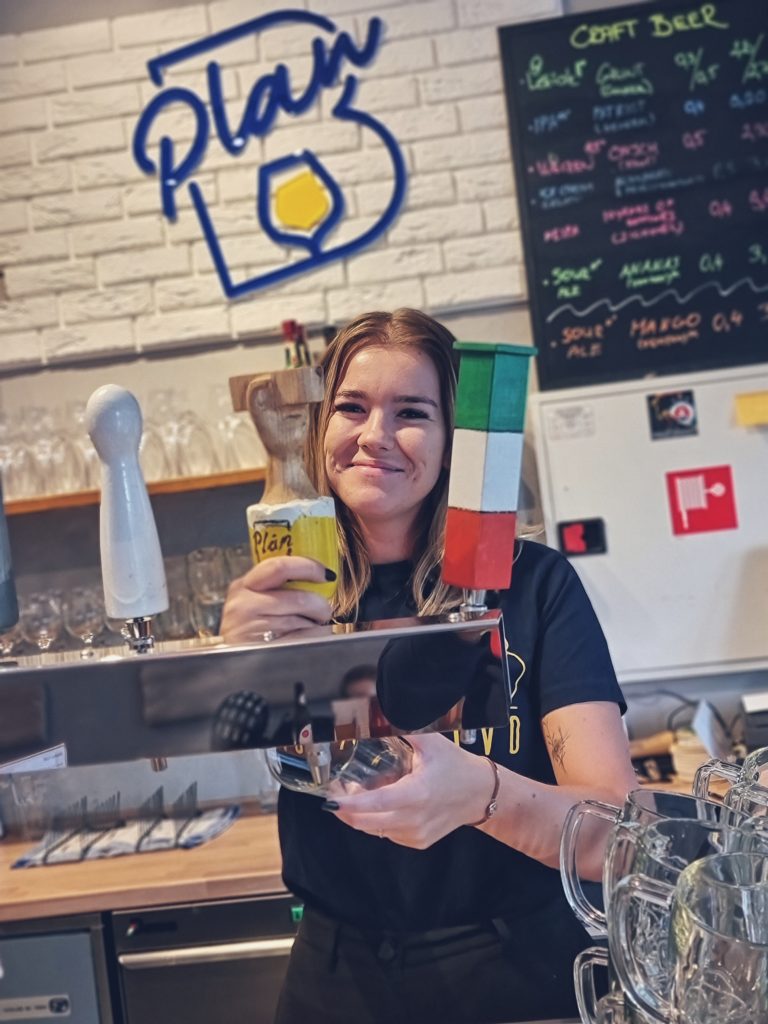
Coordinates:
330	575
329	805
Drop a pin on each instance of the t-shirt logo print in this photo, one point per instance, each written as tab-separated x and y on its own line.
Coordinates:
514	720
521	673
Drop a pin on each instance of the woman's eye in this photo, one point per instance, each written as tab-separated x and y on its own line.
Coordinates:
414	414
348	407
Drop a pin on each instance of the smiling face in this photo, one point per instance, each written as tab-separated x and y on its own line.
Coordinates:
385	443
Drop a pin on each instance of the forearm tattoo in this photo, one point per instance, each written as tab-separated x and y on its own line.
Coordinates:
556	743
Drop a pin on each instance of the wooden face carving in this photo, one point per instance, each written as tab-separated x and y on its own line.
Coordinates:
282	428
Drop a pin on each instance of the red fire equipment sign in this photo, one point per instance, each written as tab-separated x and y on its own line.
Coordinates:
702	500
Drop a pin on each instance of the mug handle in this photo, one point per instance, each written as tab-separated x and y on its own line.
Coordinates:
631	972
589	915
624	837
584	981
720	769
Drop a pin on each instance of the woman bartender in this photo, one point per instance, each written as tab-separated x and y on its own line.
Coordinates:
436	898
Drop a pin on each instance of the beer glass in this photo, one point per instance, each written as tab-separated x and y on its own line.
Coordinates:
661	851
754	769
208	580
642	806
41	620
717	941
348	765
84	616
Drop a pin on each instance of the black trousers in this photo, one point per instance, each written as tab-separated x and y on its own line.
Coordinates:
486	974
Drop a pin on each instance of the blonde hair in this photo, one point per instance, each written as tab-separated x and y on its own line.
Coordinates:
404	328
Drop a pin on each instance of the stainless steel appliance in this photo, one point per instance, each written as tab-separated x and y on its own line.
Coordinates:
194	963
54	969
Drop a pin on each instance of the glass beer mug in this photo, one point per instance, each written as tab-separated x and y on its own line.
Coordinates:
717	941
642	806
754	770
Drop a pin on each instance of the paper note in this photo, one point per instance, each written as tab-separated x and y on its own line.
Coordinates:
41	761
752	409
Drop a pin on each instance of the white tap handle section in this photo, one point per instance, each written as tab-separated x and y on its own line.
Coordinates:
131	560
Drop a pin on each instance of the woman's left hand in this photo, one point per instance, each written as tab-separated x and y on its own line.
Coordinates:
447	787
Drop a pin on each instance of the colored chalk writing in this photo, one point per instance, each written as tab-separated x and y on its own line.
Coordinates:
640	142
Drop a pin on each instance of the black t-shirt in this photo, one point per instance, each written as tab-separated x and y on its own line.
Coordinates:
557	656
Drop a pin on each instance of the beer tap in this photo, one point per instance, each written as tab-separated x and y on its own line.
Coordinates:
486	466
291	518
131	560
9	605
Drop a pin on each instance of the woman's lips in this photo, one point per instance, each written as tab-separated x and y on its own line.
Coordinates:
375	468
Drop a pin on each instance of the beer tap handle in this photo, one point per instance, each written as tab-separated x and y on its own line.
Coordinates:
9	605
131	560
486	463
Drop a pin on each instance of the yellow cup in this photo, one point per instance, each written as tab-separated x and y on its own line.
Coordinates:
303	527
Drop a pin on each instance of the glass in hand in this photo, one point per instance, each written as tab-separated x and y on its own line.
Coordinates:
350	765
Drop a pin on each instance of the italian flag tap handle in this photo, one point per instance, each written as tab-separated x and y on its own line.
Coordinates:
486	464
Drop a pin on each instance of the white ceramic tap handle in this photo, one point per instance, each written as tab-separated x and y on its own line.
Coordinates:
131	560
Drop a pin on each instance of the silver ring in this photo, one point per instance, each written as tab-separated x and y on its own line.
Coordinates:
267	636
381	833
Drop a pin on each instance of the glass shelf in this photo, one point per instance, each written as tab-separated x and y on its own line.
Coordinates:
177	485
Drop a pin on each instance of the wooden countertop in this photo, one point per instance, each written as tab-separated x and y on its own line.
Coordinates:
243	861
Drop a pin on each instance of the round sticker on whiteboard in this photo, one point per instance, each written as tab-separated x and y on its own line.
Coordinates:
683	413
672	414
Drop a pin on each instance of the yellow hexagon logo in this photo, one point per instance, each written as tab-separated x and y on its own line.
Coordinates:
302	202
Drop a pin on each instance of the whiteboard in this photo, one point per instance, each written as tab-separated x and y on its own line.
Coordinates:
670	605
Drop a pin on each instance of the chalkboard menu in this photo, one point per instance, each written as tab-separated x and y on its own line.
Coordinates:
640	141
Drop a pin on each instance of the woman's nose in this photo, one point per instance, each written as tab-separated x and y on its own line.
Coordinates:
375	432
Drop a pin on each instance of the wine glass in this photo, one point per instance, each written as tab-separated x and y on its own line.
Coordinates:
21	478
60	461
84	616
10	641
239	560
188	445
208	578
197	454
74	415
162	425
41	621
153	456
175	623
237	440
207	574
116	631
206	617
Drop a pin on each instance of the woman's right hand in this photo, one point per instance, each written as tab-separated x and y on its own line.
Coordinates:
259	602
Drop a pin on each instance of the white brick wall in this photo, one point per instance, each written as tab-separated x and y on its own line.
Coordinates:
91	267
